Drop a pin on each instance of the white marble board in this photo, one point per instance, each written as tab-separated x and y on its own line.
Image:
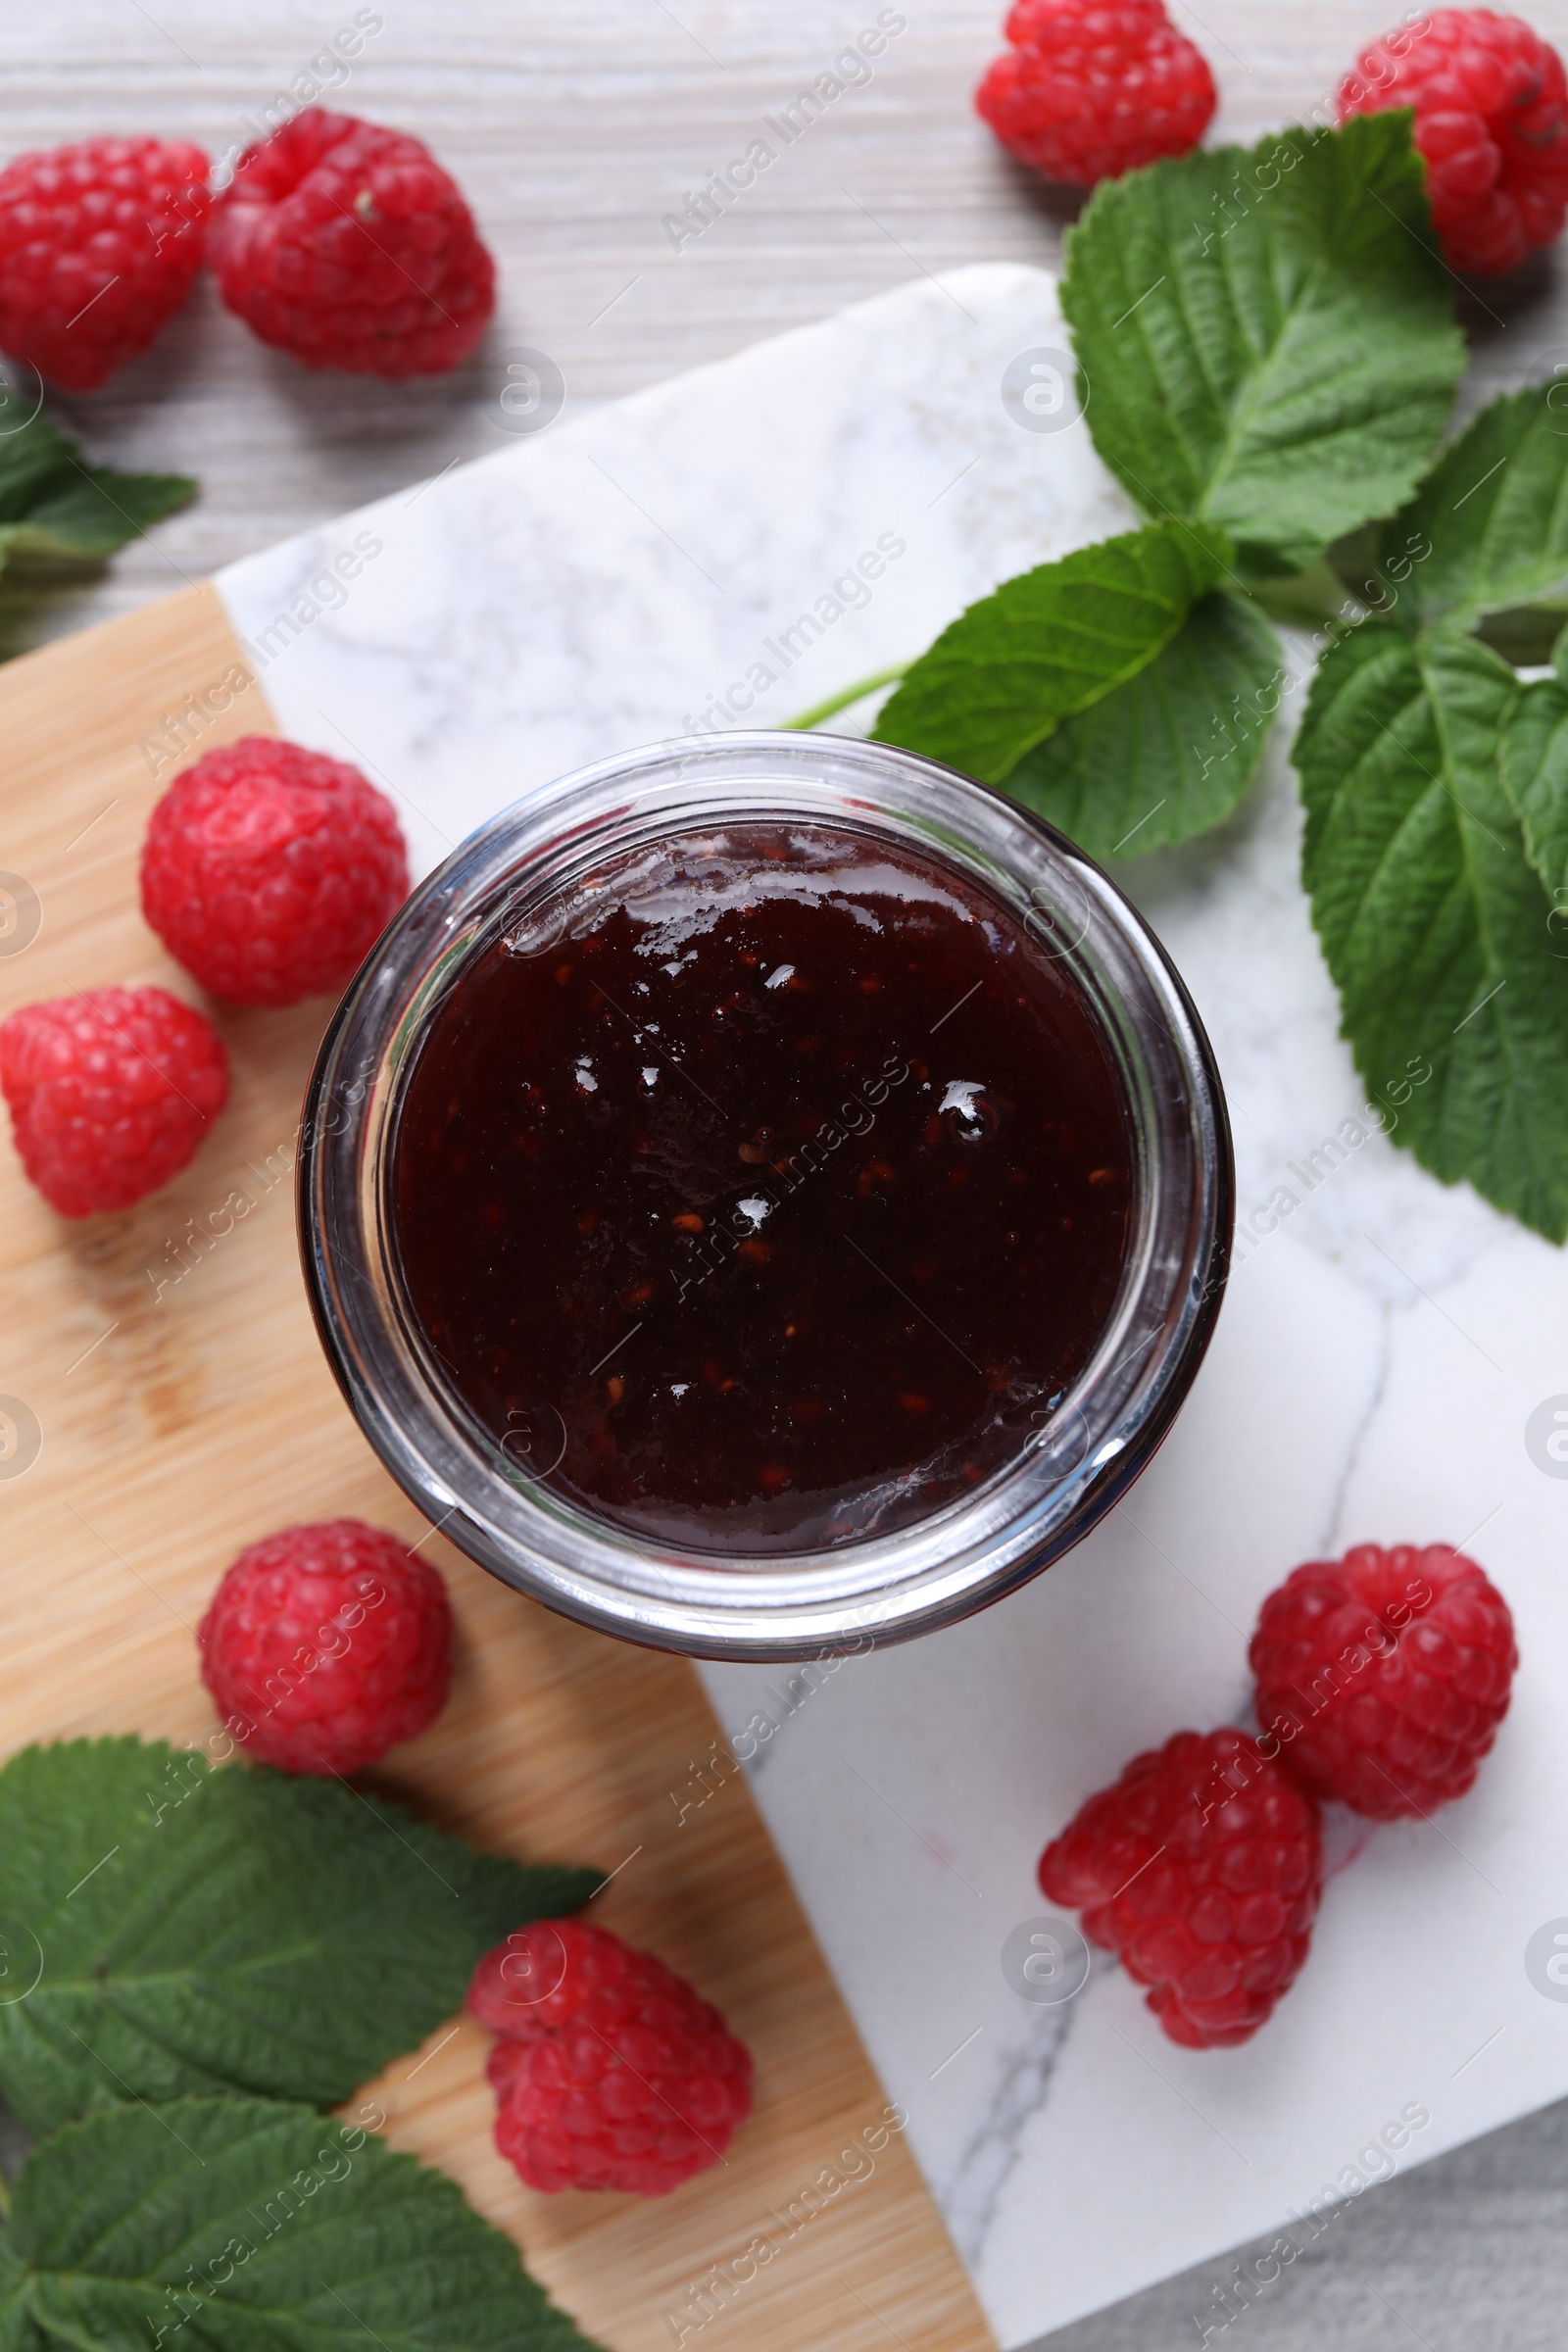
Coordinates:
596	585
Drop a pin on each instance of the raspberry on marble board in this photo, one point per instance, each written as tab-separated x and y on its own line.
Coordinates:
1385	1675
1201	1869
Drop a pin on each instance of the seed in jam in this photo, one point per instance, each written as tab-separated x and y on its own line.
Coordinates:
777	1202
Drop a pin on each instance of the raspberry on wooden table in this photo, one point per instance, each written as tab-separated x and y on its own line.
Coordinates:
1490	118
611	2072
325	1646
110	1092
99	244
269	871
348	246
1092	89
1201	1869
1386	1674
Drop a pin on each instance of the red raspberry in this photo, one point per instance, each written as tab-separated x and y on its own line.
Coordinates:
1491	120
98	248
269	871
611	2072
350	247
110	1092
1388	1674
325	1646
1093	88
1201	1870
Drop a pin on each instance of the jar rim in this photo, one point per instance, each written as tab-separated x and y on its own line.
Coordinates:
875	1587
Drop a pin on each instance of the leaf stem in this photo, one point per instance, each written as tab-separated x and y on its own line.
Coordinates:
1315	594
840	702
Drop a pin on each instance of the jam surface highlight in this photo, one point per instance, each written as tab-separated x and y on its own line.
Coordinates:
767	1192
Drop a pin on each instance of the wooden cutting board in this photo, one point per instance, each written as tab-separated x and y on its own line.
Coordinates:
184	1408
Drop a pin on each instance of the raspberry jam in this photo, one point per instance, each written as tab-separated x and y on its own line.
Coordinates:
768	1191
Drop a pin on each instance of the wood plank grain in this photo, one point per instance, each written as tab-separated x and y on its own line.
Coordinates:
186	1409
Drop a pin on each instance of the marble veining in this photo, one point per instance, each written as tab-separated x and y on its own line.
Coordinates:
1333	1539
971	2193
1384	1339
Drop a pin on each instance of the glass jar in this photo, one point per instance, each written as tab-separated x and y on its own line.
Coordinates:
519	871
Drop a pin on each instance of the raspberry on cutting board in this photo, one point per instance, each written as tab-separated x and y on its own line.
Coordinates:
610	2070
1490	118
269	871
1092	89
99	245
325	1646
1201	1870
348	246
1386	1674
110	1092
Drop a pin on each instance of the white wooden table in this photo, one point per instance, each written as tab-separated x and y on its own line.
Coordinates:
574	126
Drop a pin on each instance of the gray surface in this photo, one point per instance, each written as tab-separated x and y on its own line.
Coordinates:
575	126
1469	2250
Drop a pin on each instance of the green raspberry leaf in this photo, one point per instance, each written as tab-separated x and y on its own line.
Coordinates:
58	512
165	1927
1433	922
18	2333
1267	336
84	514
1171	752
1534	778
1495	510
242	2226
1049	643
32	455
